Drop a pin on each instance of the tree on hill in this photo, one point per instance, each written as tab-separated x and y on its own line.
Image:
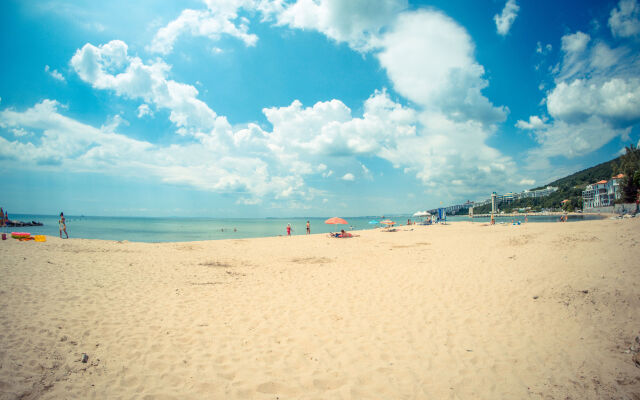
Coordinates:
629	165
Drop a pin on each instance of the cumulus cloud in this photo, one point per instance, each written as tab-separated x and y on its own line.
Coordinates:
328	128
442	138
220	18
624	20
534	122
356	22
64	140
574	139
527	182
507	17
144	110
62	143
429	58
596	97
54	73
616	100
109	66
348	177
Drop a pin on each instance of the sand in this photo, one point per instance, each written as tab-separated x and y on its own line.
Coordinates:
462	311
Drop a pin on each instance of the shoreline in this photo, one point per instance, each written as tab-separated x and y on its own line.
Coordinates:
206	229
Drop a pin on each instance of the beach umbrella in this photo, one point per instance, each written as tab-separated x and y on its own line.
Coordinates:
422	214
373	222
388	222
336	220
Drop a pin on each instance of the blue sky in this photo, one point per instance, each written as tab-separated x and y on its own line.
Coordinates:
308	107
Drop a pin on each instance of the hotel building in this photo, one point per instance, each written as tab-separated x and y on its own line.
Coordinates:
602	194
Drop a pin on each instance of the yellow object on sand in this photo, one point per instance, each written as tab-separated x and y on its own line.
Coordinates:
40	238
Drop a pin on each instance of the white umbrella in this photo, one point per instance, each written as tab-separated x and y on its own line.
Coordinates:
422	214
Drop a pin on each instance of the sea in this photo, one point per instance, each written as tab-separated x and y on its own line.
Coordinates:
180	229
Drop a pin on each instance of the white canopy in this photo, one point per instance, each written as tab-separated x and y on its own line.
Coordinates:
421	214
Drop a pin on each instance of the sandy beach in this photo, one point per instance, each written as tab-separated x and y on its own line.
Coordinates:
462	311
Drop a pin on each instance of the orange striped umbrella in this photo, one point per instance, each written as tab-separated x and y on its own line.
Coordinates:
388	222
336	220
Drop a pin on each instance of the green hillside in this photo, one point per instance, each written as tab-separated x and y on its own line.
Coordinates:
570	187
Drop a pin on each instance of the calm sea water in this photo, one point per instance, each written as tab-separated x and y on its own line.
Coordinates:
190	229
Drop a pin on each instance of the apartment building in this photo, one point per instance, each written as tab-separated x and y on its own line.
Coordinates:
603	193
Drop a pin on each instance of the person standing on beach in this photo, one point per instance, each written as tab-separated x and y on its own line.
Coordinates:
62	225
308	228
288	229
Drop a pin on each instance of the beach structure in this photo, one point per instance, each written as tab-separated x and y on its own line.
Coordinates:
506	198
535	193
602	193
494	203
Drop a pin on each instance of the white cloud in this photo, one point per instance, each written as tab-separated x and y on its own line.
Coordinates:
574	58
348	177
19	132
443	139
527	182
144	110
220	18
505	20
110	67
386	130
625	19
62	143
429	59
64	140
54	73
356	22
616	100
543	49
328	128
574	139
575	42
596	98
366	173
535	122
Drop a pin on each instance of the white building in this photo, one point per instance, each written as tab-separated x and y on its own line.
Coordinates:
603	193
536	193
